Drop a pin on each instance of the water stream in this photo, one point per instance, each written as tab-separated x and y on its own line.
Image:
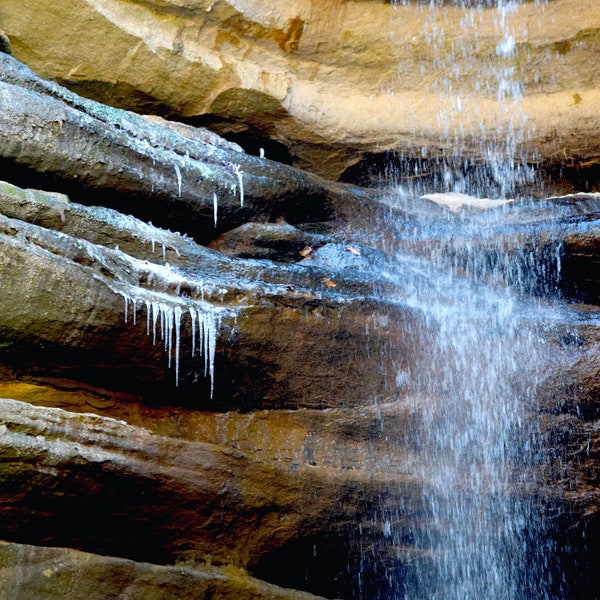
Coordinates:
481	534
474	388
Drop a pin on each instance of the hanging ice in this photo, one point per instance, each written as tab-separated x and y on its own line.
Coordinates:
164	316
240	176
178	173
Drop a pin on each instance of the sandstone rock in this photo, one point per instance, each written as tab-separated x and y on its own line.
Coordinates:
280	242
102	485
307	498
95	293
335	80
36	572
156	172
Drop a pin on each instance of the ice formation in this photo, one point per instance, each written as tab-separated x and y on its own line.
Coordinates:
164	315
178	173
240	176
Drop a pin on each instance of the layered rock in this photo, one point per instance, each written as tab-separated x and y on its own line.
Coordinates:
149	381
110	155
35	572
322	84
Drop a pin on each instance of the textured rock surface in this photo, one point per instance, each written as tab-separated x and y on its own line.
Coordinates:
323	82
154	171
101	451
253	309
34	572
120	490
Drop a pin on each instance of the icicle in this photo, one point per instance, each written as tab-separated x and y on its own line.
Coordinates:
164	252
200	333
167	312
193	318
206	335
215	206
240	176
211	347
177	316
205	323
155	313
148	307
178	173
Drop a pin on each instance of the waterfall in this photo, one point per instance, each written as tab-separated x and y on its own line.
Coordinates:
481	531
472	75
474	388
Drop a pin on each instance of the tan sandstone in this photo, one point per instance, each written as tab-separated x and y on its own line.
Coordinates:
334	79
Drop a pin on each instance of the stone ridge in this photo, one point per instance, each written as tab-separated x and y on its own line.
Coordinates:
334	80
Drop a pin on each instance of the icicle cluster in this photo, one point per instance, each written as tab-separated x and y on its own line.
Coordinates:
163	320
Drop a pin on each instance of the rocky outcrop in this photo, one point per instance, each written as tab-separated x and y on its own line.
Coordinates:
91	478
221	417
151	285
545	247
324	84
35	572
155	172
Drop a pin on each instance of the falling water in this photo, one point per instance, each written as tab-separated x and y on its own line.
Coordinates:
473	389
480	534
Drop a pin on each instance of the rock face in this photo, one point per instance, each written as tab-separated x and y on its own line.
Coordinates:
323	84
34	572
178	419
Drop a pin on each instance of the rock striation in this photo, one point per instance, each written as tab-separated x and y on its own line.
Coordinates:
327	84
227	407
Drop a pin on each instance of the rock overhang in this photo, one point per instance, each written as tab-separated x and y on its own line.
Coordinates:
340	80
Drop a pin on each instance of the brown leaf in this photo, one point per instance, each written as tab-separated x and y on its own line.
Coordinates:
306	251
353	250
328	282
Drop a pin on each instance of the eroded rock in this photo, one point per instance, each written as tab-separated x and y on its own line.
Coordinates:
270	328
333	81
37	572
159	173
115	489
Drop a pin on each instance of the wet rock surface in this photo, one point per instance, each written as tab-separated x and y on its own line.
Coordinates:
36	572
331	84
242	413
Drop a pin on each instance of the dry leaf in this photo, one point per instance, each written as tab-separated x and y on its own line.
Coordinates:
328	282
306	251
353	250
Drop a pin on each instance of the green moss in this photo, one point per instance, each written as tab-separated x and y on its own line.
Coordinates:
590	37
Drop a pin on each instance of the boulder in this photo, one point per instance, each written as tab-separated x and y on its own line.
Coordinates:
279	241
